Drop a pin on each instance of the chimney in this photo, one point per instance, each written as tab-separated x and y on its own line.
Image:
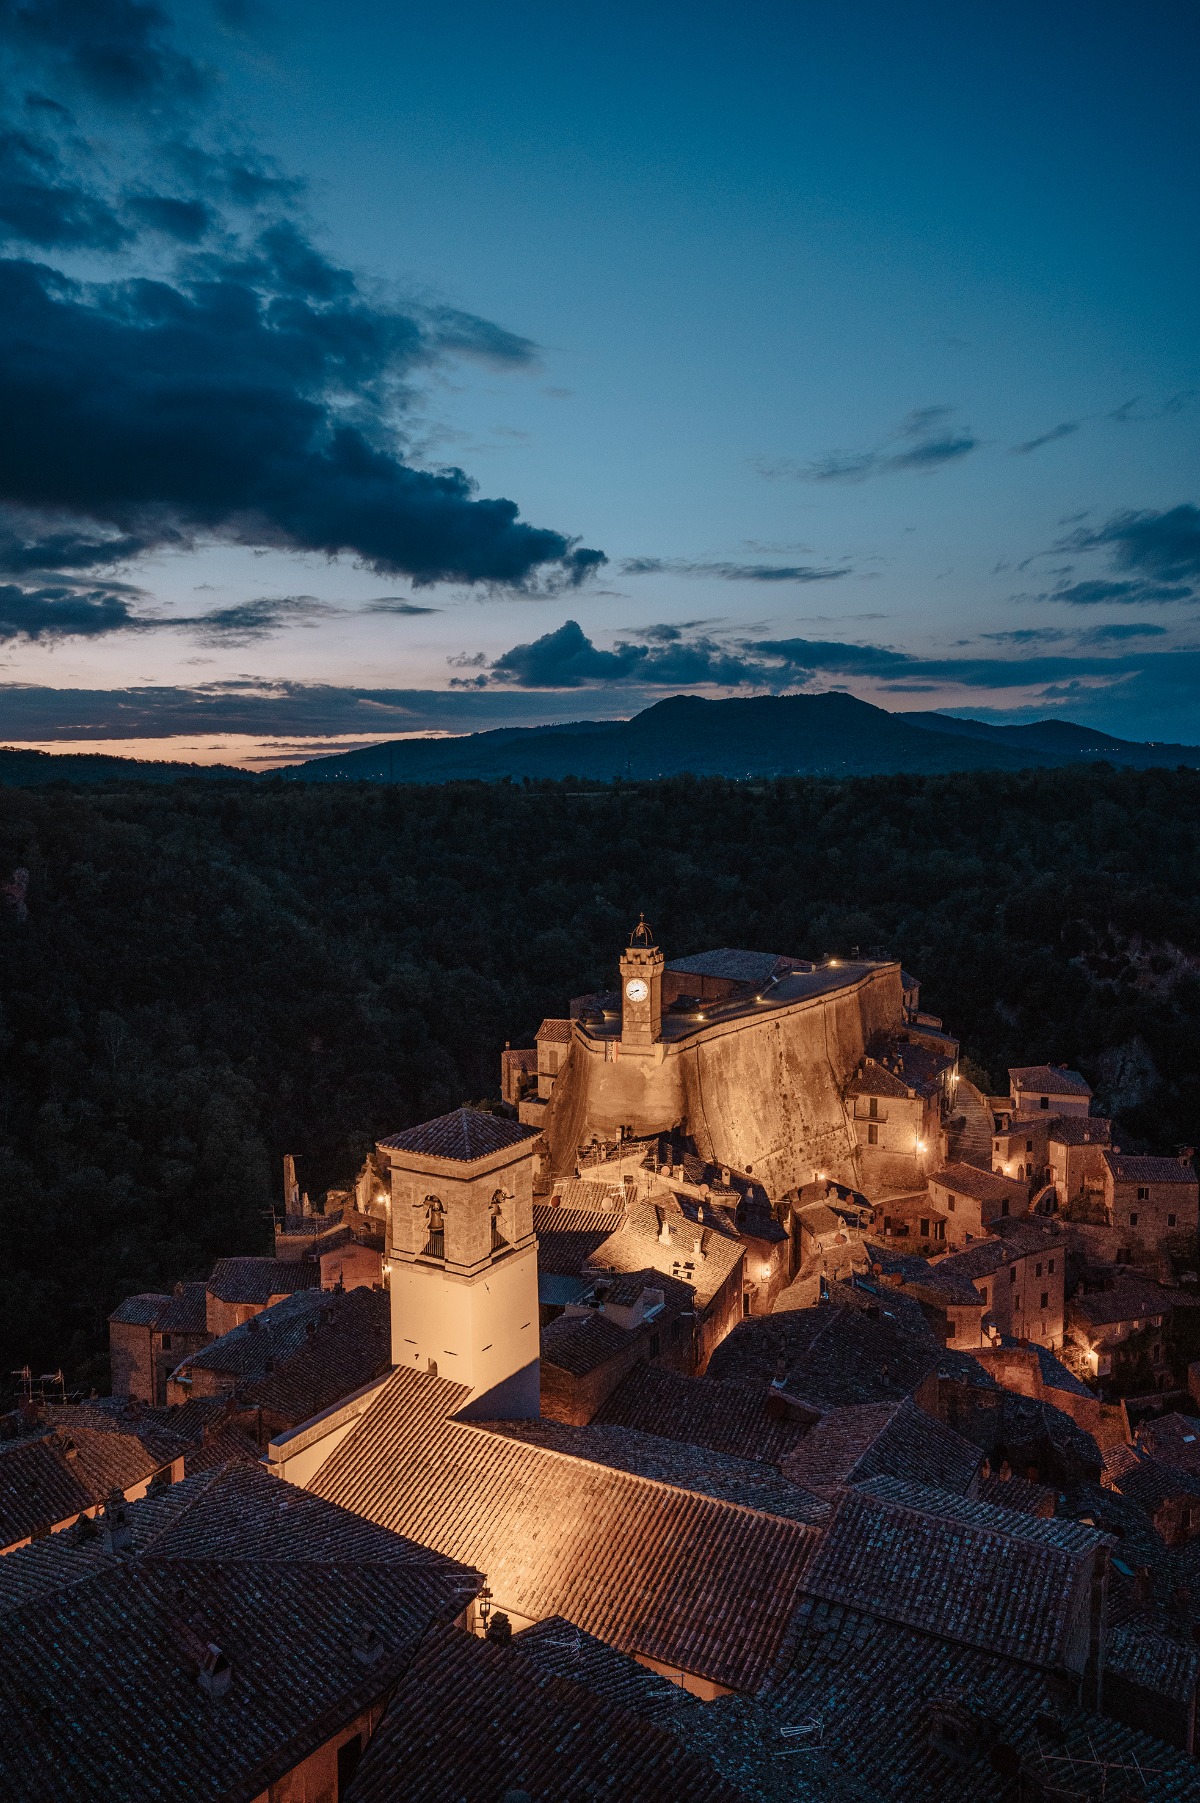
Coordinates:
118	1533
368	1647
214	1674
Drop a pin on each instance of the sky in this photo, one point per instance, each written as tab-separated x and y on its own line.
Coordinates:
374	370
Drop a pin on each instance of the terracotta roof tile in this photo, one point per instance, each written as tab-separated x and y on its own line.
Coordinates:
98	1667
567	1237
258	1279
565	1651
1143	1655
471	1719
1049	1079
726	1417
462	1136
685	1579
1130	1169
983	1186
1002	1592
888	1439
556	1031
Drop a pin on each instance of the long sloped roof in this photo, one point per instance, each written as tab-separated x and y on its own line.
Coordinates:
729	1418
471	1719
888	1439
1000	1591
652	1568
99	1657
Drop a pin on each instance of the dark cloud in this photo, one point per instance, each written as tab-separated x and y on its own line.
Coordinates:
925	440
1118	632
62	612
567	659
396	604
246	622
1164	545
247	391
729	572
1064	430
1025	635
1091	594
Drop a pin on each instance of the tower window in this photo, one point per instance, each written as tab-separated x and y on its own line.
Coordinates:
435	1245
498	1239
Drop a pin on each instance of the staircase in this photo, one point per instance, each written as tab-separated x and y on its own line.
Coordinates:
972	1143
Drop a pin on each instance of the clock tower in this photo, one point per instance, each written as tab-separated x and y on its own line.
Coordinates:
641	991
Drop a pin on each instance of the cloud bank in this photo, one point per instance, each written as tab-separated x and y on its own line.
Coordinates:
180	362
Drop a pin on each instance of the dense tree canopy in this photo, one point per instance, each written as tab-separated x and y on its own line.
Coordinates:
209	976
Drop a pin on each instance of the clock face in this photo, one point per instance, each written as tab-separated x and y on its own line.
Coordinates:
636	990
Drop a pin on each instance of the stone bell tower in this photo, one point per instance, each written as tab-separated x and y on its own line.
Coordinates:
641	990
463	1258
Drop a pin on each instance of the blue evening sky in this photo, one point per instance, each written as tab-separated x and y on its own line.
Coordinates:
866	351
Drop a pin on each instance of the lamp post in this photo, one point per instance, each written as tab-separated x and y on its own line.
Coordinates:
484	1605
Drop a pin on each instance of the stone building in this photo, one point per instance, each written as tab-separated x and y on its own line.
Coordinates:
1076	1148
1019	1270
240	1288
1152	1202
1118	1334
968	1199
1048	1089
746	1055
899	1098
149	1334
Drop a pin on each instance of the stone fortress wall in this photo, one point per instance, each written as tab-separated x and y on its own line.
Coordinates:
762	1091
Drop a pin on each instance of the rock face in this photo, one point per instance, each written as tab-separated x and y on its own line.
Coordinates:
760	1088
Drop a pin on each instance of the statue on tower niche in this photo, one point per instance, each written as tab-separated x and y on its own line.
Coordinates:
641	990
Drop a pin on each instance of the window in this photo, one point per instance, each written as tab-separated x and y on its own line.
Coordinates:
498	1239
1143	1192
873	1109
872	1135
1050	1267
1133	1219
166	1339
1043	1101
1012	1274
941	1230
435	1215
1045	1299
951	1329
1170	1223
950	1201
924	1230
1037	1270
745	1302
1029	1145
1004	1206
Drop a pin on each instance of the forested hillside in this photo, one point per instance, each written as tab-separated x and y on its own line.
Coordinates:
208	978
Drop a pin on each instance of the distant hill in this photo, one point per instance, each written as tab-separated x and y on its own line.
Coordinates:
769	735
22	769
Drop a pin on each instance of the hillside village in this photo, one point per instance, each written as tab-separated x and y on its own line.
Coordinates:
744	1405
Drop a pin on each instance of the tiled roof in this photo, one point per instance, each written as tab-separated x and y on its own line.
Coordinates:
567	1237
343	1353
1048	1080
636	1244
1143	1655
1019	1493
833	1354
557	1031
1130	1299
744	1481
874	1688
561	1649
875	1079
1027	1234
877	1439
1149	1481
1000	1592
578	1196
258	1279
729	1418
1081	1130
938	1281
1129	1169
99	1692
682	1578
140	1311
984	1186
1173	1438
179	1311
1069	1536
461	1136
51	1476
580	1344
521	1058
737	966
471	1719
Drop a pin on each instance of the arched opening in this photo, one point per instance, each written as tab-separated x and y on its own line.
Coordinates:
498	1239
435	1217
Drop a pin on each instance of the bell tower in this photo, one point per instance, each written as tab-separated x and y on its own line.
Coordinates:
641	990
463	1258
